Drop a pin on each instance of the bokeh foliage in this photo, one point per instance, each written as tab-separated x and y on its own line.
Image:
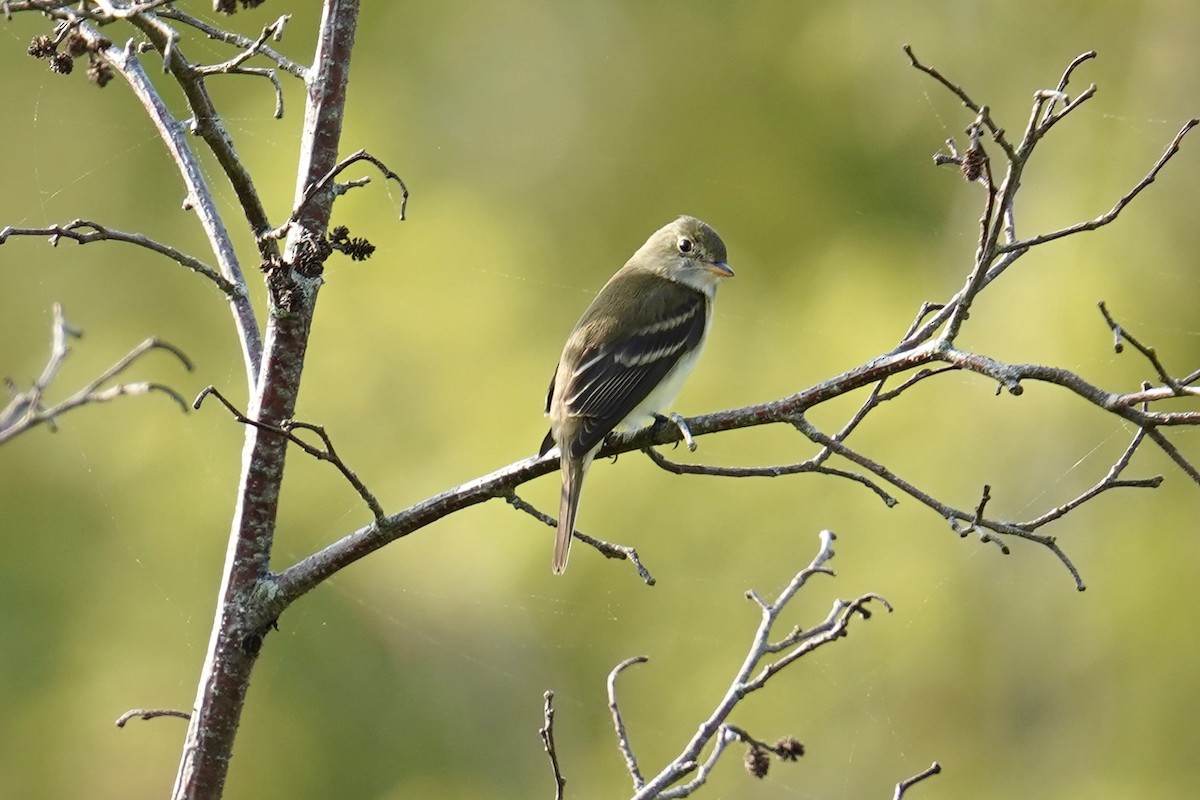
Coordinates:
543	142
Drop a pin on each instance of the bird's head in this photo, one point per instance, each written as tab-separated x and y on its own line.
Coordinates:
686	250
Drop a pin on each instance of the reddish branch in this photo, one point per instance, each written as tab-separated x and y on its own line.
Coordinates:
240	622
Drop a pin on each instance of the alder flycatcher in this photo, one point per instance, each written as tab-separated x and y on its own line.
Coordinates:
630	352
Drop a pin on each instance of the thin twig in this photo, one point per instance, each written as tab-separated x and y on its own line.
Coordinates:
237	40
774	471
1066	76
623	745
906	784
26	410
984	251
1172	451
754	674
326	182
1112	214
234	66
1119	335
546	732
996	131
607	549
1112	480
272	31
150	713
946	511
85	231
329	453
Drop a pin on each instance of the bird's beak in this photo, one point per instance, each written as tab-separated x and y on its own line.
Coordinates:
719	268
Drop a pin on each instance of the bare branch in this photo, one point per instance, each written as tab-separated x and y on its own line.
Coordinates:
753	675
953	515
234	65
996	131
1066	76
547	734
976	167
26	410
906	784
327	182
199	196
272	31
207	124
1112	480
150	713
85	231
1112	214
623	745
1172	451
284	429
307	573
1120	334
776	471
607	549
237	40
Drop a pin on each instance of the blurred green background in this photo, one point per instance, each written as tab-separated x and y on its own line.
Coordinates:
543	142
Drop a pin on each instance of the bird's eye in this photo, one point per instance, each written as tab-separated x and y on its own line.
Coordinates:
684	244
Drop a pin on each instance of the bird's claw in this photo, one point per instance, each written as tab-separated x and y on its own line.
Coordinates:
679	422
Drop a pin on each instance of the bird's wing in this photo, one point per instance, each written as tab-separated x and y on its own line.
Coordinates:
612	376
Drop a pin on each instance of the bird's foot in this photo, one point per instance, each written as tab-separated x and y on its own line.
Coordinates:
678	421
612	437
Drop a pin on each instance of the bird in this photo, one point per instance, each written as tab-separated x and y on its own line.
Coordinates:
629	354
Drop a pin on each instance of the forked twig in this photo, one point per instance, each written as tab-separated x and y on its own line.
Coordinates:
764	659
1121	335
285	429
234	66
25	409
327	182
996	131
1112	214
